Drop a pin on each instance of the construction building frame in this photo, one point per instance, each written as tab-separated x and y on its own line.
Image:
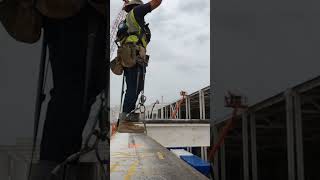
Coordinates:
277	138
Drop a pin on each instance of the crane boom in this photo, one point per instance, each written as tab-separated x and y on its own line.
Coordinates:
113	31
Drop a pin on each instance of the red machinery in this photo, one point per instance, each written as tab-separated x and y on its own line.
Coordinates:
233	101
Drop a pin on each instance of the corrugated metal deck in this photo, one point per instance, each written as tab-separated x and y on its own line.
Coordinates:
139	157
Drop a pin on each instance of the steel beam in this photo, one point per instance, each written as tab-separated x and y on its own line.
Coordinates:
137	156
170	134
178	121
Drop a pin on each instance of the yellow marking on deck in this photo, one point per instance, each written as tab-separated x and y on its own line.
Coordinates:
135	145
160	155
131	170
146	154
113	167
122	154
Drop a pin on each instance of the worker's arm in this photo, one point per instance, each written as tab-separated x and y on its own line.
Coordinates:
155	3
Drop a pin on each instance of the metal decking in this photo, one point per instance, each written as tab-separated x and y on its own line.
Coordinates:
139	157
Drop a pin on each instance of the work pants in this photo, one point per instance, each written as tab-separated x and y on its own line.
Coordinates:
135	82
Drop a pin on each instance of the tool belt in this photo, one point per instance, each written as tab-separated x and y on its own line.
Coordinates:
128	56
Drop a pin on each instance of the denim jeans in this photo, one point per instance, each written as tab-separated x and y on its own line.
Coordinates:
65	118
134	86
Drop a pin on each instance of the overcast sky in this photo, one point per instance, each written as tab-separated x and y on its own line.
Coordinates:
179	60
179	50
259	48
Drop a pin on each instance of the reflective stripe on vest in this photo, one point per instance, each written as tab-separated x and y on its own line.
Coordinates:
134	28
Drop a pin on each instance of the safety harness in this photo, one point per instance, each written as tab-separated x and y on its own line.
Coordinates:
130	32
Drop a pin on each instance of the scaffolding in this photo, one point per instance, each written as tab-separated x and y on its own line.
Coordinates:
195	106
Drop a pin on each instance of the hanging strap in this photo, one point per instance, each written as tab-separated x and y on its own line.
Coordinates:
39	99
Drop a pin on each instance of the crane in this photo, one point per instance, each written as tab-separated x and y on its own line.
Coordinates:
113	30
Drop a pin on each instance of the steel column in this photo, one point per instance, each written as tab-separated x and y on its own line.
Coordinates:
290	135
187	112
206	153
4	165
202	153
189	107
254	162
245	146
200	105
216	156
223	161
19	170
203	105
179	113
171	110
299	136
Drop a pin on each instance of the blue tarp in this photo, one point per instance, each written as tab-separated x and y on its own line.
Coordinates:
197	163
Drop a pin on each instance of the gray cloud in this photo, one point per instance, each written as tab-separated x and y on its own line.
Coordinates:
190	6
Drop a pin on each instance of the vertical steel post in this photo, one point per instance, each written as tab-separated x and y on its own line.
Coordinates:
167	111
189	107
186	101
216	156
299	136
206	153
179	113
254	167
19	171
245	145
290	135
223	161
202	152
4	165
200	105
204	106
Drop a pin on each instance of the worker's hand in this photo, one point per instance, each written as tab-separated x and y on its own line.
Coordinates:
155	4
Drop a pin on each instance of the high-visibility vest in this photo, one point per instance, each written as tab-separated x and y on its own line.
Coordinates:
134	31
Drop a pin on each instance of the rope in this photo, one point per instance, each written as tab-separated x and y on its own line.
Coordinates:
39	100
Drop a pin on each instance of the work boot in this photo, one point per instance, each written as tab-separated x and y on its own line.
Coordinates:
123	116
42	171
129	127
134	117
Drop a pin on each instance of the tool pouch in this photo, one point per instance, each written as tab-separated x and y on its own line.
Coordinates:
142	57
127	55
116	66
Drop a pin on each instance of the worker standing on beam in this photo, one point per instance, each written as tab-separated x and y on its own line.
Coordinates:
133	35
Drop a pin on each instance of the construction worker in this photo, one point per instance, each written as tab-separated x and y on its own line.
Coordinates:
136	36
66	29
